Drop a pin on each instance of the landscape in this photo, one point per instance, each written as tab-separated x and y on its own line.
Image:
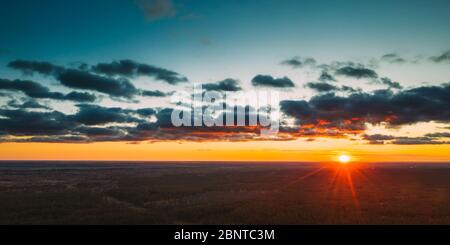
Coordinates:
223	193
225	112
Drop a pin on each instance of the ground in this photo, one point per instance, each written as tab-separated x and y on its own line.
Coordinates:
223	193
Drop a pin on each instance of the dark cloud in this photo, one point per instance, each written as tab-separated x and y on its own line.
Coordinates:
25	123
82	66
32	89
80	96
146	112
321	87
164	130
269	81
298	109
89	124
79	128
445	57
98	131
402	140
393	58
390	83
157	9
35	90
376	139
298	62
109	78
164	118
439	135
130	68
85	80
326	77
231	85
31	67
350	113
153	93
417	141
97	115
356	72
349	89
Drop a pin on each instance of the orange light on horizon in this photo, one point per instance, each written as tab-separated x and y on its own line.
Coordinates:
320	150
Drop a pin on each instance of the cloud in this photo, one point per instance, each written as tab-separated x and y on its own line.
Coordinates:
26	123
298	62
153	93
298	109
269	81
80	96
146	112
321	87
402	140
393	58
376	139
356	72
109	78
30	67
349	89
417	141
326	77
229	84
95	123
157	9
78	79
98	131
97	115
390	83
439	135
323	115
444	57
35	90
351	113
130	68
89	124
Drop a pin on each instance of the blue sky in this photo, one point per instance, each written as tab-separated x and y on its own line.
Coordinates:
213	39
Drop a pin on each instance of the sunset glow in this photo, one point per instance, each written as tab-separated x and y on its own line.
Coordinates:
344	159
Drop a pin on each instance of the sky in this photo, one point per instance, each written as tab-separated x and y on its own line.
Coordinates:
93	79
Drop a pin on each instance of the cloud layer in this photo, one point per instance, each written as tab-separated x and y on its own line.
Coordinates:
109	78
335	110
269	81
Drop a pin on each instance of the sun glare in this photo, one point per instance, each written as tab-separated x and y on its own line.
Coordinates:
344	159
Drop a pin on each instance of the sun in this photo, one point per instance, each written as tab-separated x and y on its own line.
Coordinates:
344	159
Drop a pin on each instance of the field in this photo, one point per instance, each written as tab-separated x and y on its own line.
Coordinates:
223	193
